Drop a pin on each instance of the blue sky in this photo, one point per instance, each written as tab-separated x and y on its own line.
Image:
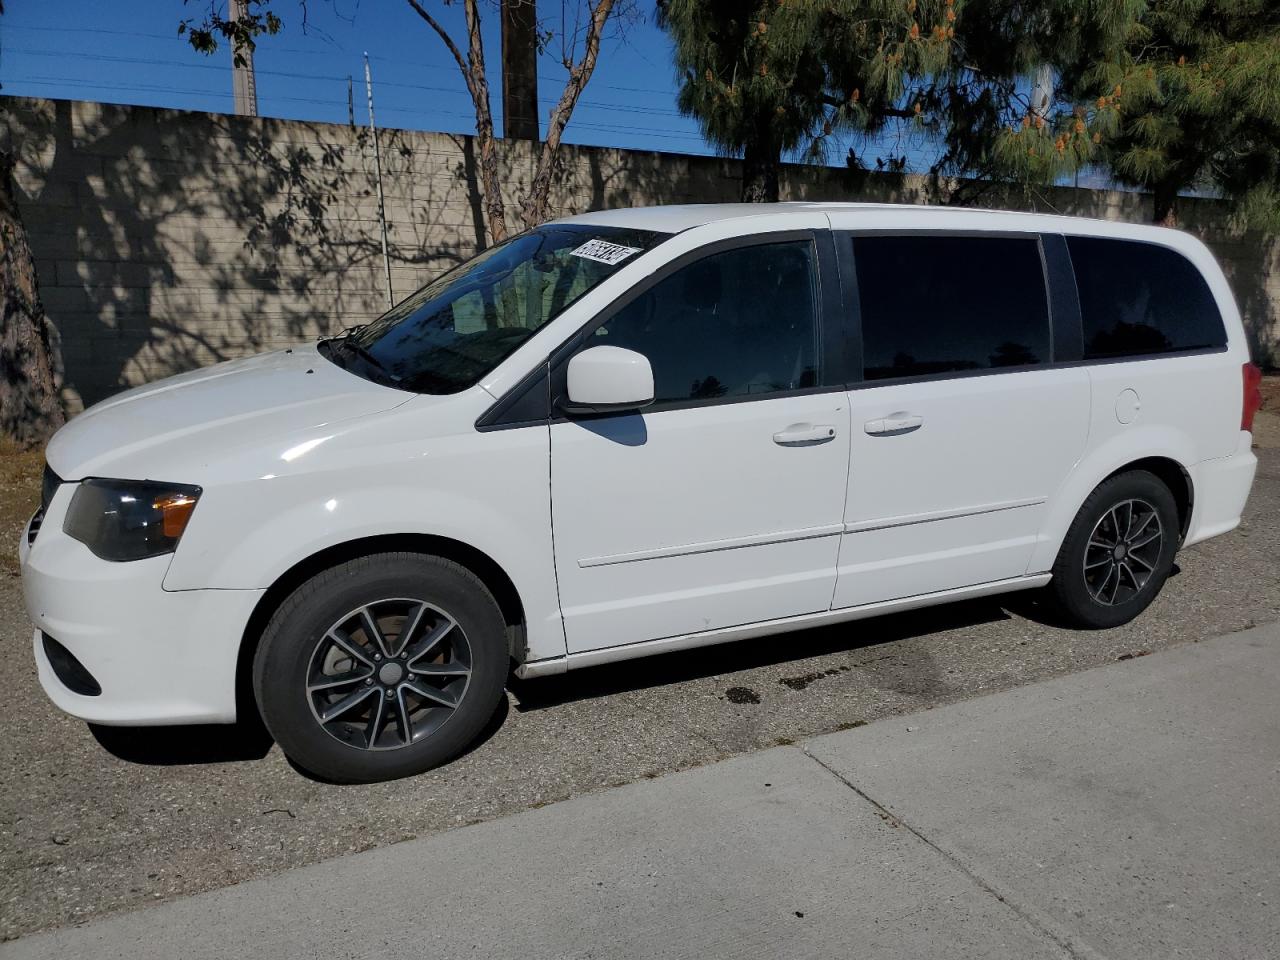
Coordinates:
78	49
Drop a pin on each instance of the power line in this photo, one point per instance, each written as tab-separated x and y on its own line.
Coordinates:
336	78
222	96
544	77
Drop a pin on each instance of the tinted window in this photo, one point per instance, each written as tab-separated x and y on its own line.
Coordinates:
734	324
941	304
1139	298
457	328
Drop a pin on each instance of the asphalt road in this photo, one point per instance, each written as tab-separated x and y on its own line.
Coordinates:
86	832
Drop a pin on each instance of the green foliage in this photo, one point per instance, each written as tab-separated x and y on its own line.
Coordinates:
1193	100
1168	95
241	33
773	76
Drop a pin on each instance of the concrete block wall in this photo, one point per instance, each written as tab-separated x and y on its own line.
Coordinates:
166	240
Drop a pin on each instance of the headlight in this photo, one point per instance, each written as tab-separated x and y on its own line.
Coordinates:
129	519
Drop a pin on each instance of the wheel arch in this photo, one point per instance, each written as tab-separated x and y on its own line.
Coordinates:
1162	451
495	579
1173	475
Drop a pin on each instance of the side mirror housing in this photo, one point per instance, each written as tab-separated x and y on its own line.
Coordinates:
608	380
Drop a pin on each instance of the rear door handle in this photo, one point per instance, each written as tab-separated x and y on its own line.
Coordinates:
805	435
894	424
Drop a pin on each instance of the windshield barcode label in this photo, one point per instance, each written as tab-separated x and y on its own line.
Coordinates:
602	251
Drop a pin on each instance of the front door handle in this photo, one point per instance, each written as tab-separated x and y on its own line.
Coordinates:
894	424
805	435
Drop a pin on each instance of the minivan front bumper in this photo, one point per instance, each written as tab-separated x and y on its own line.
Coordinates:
159	657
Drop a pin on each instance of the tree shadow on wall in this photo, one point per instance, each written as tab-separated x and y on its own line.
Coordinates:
168	240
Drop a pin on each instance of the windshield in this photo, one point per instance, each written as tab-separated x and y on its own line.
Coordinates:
457	328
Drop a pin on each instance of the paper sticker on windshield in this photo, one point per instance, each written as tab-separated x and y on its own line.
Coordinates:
602	251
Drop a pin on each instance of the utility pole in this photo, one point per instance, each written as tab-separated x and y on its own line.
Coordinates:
377	166
520	69
242	83
1042	92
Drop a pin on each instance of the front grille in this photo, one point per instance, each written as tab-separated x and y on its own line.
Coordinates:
49	484
69	670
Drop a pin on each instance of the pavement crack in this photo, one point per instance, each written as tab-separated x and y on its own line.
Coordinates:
1070	945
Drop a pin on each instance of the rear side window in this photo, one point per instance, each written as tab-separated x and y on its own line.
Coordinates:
943	304
735	324
1140	298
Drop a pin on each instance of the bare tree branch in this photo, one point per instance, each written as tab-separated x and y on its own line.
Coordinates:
535	205
444	35
473	74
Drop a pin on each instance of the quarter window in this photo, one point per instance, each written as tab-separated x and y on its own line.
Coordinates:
944	304
1141	298
735	324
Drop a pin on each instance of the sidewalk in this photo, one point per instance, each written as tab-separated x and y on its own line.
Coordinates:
1130	811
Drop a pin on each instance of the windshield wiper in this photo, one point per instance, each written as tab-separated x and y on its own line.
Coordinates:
347	344
337	346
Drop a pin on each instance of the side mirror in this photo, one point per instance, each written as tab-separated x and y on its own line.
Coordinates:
608	380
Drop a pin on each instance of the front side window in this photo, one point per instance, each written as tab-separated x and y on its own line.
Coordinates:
943	304
734	324
453	331
1141	298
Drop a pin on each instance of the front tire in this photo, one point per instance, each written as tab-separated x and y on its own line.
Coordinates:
381	667
1118	552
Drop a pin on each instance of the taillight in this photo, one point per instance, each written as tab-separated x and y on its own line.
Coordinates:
1252	395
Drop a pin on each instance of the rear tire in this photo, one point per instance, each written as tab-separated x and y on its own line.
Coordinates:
381	667
1118	552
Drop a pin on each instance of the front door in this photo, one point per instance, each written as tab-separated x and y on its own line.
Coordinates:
721	504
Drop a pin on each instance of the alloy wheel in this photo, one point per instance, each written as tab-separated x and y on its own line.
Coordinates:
388	674
1123	552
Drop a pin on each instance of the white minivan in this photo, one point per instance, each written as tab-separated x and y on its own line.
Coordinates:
637	431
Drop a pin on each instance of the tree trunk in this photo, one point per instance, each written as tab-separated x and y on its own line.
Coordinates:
478	84
760	164
490	178
1165	213
30	360
473	74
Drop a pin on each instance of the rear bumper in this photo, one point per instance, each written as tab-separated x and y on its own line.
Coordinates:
1221	490
160	657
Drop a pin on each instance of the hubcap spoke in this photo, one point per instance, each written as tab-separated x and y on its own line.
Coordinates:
1097	594
375	633
442	670
403	718
431	641
443	697
339	681
1149	538
346	704
406	632
1133	579
1138	559
346	643
375	720
1137	530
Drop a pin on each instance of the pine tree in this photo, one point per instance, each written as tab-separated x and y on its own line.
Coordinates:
1193	101
751	73
768	77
